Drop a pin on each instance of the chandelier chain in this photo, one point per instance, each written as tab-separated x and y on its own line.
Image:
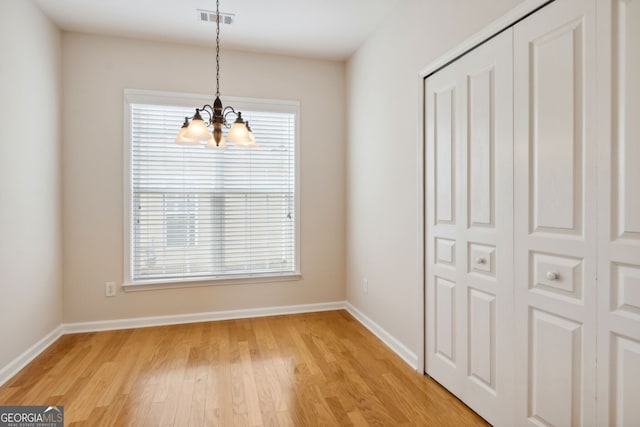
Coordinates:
197	130
218	48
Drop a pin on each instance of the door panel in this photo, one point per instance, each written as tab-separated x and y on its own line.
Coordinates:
482	259
445	252
619	213
555	369
445	324
625	387
556	125
445	155
482	332
442	248
626	142
469	159
555	214
625	290
481	179
557	277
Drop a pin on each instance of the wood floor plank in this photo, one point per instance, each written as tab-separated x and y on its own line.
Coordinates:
299	370
249	385
284	419
98	383
199	399
357	419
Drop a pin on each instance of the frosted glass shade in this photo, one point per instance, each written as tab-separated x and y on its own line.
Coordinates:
197	130
183	139
239	135
211	142
253	143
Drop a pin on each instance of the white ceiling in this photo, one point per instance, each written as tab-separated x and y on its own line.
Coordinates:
331	29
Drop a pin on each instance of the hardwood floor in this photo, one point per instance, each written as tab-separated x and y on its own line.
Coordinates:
298	370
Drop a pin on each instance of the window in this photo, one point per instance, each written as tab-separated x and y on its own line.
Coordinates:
195	214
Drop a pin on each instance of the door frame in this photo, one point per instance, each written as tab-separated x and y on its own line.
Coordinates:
512	17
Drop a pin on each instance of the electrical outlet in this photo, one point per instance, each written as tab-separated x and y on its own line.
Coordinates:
110	289
365	285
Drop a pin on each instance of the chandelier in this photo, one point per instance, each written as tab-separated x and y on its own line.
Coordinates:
195	129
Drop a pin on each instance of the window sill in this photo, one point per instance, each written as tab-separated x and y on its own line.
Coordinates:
201	282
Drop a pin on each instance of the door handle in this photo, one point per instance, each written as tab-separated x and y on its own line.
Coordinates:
551	275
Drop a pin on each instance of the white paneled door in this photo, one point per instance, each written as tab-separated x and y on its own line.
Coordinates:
469	158
555	215
619	213
533	219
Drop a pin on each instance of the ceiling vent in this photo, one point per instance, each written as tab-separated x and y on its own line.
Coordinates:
210	16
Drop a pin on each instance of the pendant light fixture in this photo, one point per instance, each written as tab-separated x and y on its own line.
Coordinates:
195	129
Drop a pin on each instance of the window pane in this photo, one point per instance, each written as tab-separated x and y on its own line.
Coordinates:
199	213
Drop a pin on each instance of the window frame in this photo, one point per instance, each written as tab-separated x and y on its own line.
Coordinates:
135	96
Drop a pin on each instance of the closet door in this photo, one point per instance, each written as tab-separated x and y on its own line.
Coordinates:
619	213
469	163
555	214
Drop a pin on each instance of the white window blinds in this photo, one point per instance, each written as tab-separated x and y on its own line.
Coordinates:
202	214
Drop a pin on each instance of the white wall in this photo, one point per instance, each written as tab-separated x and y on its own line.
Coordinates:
30	196
381	218
96	70
383	110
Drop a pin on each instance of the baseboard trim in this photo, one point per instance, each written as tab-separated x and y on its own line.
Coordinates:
390	341
145	322
10	370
